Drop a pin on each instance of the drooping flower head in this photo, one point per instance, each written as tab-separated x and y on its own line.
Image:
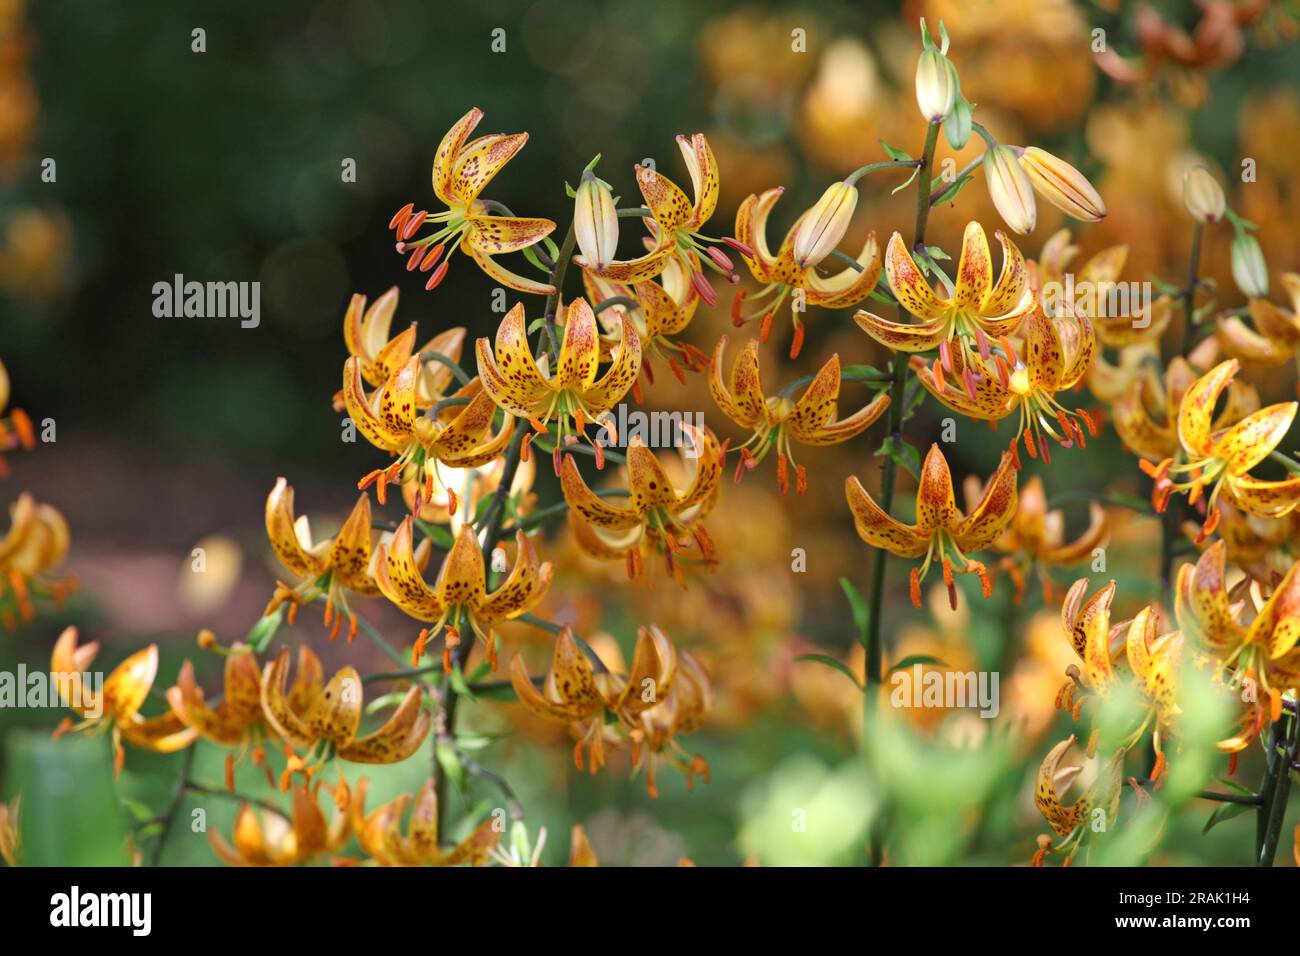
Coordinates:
777	421
460	597
1223	458
792	273
940	531
575	394
34	546
660	517
1275	336
462	168
15	428
380	831
276	840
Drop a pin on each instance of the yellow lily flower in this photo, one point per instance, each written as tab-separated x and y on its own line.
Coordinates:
1265	548
392	419
660	517
330	714
975	311
460	595
1262	649
366	334
462	168
238	717
380	832
675	223
15	428
281	841
1035	539
1275	337
1130	650
457	492
808	242
116	707
11	832
665	692
662	309
331	567
1097	783
574	393
1052	358
941	529
1146	414
777	420
36	544
1223	458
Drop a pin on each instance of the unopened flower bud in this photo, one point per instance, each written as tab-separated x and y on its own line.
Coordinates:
595	221
1249	270
936	87
1062	185
824	225
1010	189
1202	195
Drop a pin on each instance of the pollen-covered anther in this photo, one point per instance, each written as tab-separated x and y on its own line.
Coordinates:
796	344
914	587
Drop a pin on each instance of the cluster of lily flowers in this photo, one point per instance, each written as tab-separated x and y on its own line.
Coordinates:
461	447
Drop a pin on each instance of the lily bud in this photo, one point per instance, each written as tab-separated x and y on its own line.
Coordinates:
824	225
1249	270
1062	185
1010	189
595	221
936	87
1202	195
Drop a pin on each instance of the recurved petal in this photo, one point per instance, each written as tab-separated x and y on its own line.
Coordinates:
1201	602
463	578
1277	626
624	367
936	505
1251	440
565	709
910	286
508	278
1196	411
703	458
435	376
817	405
163	734
843	429
849	286
994	511
991	402
444	160
1013	281
127	686
642	269
479	161
527	584
751	231
1139	433
703	169
397	573
282	530
284	720
667	203
1242	342
580	351
880	530
509	372
400	737
598	511
1045	354
650	678
647	479
974	270
363	409
496	235
743	400
1265	499
1061	818
350	553
336	717
905	336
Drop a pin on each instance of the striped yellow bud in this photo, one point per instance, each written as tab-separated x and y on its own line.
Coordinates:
824	225
595	222
1062	185
1202	195
1010	189
936	88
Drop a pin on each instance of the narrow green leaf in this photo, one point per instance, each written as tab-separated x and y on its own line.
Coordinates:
833	664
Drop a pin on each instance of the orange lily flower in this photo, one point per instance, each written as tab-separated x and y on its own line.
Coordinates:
794	267
675	223
1275	337
16	428
660	517
1035	539
974	312
1108	380
779	419
330	714
282	841
460	595
380	832
1265	548
681	709
1152	661
1097	783
1223	458
1146	414
394	418
36	544
1262	649
522	387
941	530
366	334
662	309
116	707
457	492
331	567
238	717
462	168
1052	358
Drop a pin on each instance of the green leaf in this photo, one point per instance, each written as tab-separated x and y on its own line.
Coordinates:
1235	786
913	659
861	613
937	253
1224	811
902	454
459	683
833	664
895	153
951	192
440	536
